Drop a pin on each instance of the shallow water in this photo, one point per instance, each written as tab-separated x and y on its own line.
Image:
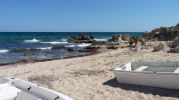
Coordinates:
19	46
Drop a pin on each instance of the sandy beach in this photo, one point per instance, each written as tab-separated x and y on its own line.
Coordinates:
91	77
77	47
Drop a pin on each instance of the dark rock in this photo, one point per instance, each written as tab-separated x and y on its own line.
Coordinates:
175	43
71	49
137	41
82	38
174	50
86	36
99	42
125	37
163	33
90	49
177	25
120	37
112	47
174	46
146	35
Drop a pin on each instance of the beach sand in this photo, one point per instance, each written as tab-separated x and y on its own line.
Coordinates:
91	77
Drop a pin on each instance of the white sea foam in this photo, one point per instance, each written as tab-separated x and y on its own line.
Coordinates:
55	42
64	40
45	48
100	39
32	41
79	45
4	51
84	45
70	46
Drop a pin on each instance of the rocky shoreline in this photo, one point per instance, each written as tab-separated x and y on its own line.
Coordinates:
90	77
166	39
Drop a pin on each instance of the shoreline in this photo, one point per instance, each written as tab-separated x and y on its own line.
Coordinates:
91	77
93	49
26	61
21	47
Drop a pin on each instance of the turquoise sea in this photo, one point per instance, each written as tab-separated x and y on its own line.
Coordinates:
20	46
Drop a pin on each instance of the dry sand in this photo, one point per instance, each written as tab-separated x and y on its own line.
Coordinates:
91	77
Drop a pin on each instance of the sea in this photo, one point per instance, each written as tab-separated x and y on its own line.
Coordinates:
39	46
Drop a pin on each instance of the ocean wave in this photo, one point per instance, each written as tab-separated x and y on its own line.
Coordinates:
70	46
97	39
45	48
79	45
4	51
31	41
55	42
64	40
30	49
84	45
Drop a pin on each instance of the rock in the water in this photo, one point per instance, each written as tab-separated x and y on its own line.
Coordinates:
86	36
71	49
90	49
125	37
82	38
120	38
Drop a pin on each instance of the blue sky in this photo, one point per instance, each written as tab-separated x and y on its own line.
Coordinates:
87	15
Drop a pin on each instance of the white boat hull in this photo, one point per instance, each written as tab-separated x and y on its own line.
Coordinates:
16	89
167	80
154	80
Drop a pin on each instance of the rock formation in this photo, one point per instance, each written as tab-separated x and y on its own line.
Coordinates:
82	38
161	47
120	38
163	33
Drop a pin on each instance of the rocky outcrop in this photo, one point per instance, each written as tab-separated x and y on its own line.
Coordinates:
112	47
161	47
174	46
82	38
71	49
163	33
174	50
120	38
174	43
137	42
90	49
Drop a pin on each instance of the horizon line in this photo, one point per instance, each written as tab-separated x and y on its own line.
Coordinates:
63	32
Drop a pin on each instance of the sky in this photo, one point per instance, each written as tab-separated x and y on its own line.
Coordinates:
87	15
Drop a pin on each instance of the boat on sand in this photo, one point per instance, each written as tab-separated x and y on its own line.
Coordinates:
155	74
16	89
